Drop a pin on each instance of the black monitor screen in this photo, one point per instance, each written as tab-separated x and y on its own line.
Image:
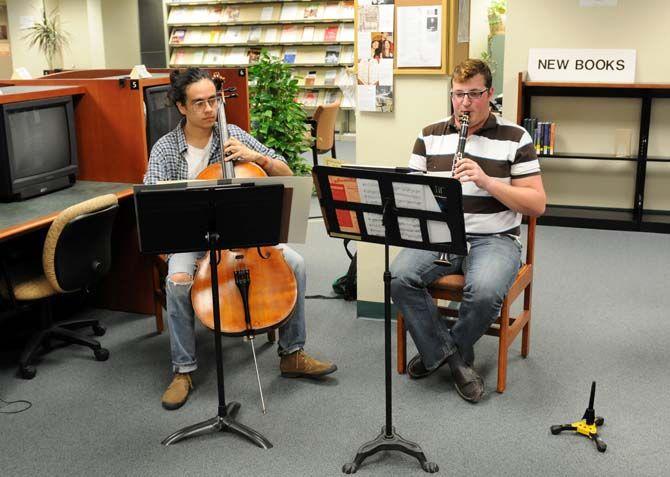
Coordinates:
162	115
40	140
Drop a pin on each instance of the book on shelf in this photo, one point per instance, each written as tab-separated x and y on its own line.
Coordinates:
230	14
266	13
346	9
271	34
312	12
236	34
255	33
178	35
330	33
309	98
329	77
307	34
332	56
331	96
213	56
310	78
237	56
274	52
289	11
346	32
332	11
253	55
543	134
347	55
290	56
289	34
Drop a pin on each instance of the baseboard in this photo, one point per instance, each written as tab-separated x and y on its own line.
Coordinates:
373	310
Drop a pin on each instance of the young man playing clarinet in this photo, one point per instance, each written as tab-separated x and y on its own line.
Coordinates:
500	176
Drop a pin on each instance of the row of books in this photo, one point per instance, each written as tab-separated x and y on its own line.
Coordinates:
311	98
314	55
543	134
342	10
263	34
329	77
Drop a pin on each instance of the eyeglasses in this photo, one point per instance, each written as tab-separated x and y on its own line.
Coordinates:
202	104
460	95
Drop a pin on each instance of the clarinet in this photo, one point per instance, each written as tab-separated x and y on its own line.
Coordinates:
464	119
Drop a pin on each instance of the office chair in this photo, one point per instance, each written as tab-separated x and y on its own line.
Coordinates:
322	129
76	254
506	327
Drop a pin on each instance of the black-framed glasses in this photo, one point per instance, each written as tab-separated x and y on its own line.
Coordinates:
202	104
474	94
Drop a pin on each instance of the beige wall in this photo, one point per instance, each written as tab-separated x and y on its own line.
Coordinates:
122	38
387	139
588	125
30	58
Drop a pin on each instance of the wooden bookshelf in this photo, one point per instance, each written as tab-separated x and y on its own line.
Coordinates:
637	217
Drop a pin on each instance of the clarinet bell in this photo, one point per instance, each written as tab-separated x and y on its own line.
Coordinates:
442	260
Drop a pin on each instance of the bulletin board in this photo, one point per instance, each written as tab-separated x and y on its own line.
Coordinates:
454	14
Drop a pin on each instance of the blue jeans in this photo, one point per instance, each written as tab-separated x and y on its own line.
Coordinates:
489	270
181	318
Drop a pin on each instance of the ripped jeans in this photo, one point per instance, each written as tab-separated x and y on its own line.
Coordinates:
181	318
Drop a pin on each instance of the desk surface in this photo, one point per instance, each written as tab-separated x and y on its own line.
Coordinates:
17	218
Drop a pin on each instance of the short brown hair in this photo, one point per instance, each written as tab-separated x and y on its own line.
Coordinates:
470	68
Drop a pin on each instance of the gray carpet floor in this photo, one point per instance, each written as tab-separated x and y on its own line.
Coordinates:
600	313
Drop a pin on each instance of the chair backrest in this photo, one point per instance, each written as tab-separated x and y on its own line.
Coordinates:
325	116
77	249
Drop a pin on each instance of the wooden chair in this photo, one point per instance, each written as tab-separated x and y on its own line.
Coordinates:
322	130
160	270
506	327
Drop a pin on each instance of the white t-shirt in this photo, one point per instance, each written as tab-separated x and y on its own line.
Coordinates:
197	159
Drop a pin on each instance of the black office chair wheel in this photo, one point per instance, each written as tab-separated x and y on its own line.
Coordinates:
98	330
101	354
28	372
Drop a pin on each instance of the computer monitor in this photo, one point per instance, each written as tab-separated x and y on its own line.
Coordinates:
162	115
38	147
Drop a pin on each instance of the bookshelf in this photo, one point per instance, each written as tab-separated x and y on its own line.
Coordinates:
636	217
315	37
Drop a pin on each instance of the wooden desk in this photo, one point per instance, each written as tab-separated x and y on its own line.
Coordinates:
128	285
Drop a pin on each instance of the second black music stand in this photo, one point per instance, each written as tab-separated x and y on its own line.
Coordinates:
185	217
391	207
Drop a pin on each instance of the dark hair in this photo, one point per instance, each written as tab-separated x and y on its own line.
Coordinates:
181	79
469	69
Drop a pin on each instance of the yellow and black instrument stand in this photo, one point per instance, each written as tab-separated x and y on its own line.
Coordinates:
588	426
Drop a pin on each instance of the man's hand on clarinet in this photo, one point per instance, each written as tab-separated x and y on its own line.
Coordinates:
468	170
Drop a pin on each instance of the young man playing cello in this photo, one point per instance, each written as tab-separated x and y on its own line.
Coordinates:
182	154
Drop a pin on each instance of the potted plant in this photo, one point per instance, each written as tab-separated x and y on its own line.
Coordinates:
47	36
277	120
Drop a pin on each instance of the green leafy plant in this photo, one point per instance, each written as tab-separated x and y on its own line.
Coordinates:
277	120
496	15
47	35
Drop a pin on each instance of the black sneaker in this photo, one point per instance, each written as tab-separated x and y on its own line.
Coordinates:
469	385
417	370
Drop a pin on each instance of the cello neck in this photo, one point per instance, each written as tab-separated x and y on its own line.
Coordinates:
227	167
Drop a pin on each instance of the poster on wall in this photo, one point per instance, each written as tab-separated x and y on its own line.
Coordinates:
375	55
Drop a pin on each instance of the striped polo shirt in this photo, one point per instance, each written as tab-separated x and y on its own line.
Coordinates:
502	149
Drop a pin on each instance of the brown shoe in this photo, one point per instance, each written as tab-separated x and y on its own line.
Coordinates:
177	392
301	365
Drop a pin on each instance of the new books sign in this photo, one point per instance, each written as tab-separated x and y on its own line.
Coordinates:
583	66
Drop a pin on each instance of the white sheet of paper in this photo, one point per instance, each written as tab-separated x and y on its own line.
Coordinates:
364	51
386	72
419	36
410	229
365	98
369	191
266	14
409	196
386	18
373	224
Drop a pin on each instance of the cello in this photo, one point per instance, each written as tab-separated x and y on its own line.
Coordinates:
257	289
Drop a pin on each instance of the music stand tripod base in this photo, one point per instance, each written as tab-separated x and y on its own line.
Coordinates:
389	442
225	423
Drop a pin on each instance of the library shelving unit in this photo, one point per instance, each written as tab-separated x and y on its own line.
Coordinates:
315	37
635	218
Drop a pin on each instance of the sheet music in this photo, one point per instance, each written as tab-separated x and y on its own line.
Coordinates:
369	191
410	229
373	224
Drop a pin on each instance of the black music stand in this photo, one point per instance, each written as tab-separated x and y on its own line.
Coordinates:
189	217
354	208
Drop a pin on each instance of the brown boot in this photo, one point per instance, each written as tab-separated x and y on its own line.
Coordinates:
177	392
301	365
